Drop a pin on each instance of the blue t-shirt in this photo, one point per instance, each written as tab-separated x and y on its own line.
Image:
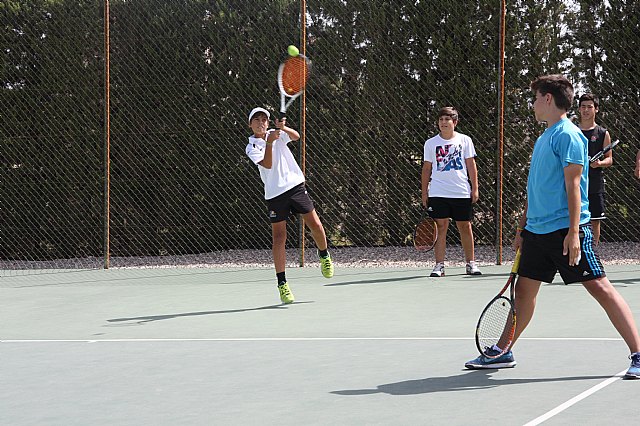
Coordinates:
548	206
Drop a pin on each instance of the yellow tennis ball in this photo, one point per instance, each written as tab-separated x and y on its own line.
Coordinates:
292	50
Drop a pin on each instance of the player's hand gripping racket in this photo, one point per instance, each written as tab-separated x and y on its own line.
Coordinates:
497	324
426	233
292	79
602	153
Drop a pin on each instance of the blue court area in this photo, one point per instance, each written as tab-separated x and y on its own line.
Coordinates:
369	346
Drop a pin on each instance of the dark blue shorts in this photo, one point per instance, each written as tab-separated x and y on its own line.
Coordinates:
541	257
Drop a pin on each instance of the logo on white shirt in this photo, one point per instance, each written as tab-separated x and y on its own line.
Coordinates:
449	157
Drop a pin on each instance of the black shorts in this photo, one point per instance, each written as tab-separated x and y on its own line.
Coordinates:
541	257
596	206
458	209
296	200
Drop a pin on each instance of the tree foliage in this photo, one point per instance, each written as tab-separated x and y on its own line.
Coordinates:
184	74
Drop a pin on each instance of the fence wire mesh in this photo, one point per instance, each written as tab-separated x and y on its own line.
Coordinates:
183	76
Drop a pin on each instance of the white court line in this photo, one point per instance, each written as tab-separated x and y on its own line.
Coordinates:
560	408
292	339
230	339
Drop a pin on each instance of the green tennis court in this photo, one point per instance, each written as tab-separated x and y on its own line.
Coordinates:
370	346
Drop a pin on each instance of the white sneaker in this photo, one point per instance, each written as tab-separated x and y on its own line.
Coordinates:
472	268
438	271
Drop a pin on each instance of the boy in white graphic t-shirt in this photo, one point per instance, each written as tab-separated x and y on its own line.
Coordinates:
450	187
284	192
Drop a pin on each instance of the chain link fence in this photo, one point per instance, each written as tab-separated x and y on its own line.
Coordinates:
160	176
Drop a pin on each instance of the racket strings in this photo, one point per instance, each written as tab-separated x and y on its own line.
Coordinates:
496	326
294	75
425	235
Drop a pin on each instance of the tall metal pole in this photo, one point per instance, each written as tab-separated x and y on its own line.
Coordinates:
500	153
303	108
107	132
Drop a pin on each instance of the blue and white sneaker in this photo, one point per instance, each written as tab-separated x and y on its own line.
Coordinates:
504	361
634	371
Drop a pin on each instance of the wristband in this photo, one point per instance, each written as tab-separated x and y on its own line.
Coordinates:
518	229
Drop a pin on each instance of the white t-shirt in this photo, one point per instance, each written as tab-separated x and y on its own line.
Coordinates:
449	177
284	173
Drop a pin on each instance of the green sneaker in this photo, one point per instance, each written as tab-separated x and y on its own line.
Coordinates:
326	266
285	293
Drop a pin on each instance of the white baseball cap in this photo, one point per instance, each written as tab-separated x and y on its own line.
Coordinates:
257	110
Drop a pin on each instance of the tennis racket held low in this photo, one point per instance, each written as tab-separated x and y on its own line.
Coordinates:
496	327
425	234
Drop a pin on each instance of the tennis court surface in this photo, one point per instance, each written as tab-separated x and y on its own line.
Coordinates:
370	346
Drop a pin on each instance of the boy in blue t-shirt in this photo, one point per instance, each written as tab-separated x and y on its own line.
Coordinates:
555	234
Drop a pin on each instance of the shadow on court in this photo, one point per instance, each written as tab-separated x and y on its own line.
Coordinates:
151	318
378	281
629	281
130	276
462	275
472	380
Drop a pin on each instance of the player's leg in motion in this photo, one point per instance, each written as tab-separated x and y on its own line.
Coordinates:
317	232
617	309
279	235
466	238
621	317
526	293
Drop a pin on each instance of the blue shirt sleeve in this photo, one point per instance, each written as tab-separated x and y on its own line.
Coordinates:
570	148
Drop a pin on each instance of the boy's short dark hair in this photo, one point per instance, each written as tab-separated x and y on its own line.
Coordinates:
558	86
448	111
589	97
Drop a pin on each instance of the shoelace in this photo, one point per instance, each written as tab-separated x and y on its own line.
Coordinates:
325	262
491	351
285	292
635	360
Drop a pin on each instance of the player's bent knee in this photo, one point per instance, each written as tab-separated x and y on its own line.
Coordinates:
599	285
312	221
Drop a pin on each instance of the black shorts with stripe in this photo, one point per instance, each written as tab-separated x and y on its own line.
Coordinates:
294	201
541	257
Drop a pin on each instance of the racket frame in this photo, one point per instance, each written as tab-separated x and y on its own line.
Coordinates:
511	283
425	248
284	104
602	153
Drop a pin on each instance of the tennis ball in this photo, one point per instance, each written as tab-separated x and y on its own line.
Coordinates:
292	50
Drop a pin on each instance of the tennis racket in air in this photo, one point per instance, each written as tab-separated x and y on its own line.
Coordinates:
292	79
497	324
426	233
602	153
